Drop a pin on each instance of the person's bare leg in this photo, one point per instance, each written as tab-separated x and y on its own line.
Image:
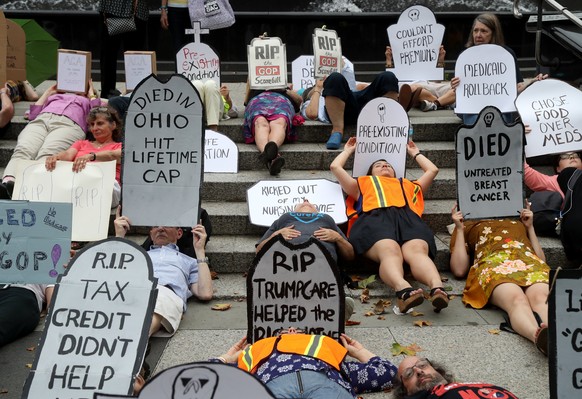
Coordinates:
447	99
423	269
156	324
335	110
389	255
278	129
511	298
537	295
262	131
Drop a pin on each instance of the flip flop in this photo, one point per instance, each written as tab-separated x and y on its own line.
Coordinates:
439	299
541	339
407	300
334	141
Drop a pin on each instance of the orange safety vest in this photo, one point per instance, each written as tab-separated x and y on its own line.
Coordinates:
383	192
319	347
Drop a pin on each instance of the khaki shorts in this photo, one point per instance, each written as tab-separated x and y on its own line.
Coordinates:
170	307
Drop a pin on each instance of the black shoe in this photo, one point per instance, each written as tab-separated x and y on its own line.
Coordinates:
269	153
4	195
276	165
113	93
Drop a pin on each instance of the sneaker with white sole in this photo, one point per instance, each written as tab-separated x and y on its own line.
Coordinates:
426	105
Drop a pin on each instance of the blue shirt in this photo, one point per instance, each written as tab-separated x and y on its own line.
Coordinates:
174	269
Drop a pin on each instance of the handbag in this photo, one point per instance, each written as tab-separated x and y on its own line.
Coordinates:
119	25
212	14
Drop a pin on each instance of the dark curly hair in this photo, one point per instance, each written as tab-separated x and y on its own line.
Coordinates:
401	393
112	116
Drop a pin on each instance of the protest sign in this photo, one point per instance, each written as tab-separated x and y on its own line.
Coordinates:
138	66
97	327
267	58
15	52
3	46
163	154
198	61
487	74
327	51
201	380
73	71
269	199
551	109
415	41
302	73
35	241
90	191
565	333
490	167
220	153
382	134
294	286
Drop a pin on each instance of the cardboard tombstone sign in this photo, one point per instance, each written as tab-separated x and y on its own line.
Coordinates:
551	108
267	58
198	61
15	52
382	133
200	380
415	41
97	327
163	153
302	72
36	237
90	192
3	46
565	333
487	74
327	51
220	153
294	286
269	199
138	66
73	71
490	167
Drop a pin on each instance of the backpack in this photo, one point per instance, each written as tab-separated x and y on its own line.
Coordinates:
545	206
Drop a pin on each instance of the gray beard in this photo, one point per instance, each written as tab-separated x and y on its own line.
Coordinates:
428	385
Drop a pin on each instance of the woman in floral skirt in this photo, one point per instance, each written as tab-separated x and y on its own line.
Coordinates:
506	268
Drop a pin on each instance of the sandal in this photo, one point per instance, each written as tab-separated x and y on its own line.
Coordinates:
407	300
541	339
439	299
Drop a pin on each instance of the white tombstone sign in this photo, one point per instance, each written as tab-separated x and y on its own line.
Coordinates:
415	41
198	61
97	326
490	167
138	66
163	154
327	51
302	73
294	286
487	74
551	108
201	380
36	237
382	134
269	199
220	153
565	334
267	58
90	192
73	70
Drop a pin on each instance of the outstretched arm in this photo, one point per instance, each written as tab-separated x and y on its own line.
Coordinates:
347	182
429	168
459	262
526	217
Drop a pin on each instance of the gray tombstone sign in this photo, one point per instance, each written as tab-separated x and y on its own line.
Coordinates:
490	167
294	286
97	326
163	154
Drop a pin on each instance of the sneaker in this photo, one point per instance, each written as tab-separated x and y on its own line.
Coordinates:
426	105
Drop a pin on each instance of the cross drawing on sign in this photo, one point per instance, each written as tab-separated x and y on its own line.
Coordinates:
196	31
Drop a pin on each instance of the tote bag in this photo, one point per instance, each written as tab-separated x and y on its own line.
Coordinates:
212	14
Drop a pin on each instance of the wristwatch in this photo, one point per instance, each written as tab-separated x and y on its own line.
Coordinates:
203	260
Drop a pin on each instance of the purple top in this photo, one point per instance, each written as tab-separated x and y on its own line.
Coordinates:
73	106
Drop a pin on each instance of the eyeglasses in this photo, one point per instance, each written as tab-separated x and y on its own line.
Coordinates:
100	110
281	331
570	155
409	372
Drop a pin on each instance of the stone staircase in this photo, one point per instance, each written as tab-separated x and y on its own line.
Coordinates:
231	248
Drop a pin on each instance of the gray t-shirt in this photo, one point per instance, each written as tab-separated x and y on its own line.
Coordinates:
307	224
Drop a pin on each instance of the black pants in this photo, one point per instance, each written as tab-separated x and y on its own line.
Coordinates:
179	21
19	313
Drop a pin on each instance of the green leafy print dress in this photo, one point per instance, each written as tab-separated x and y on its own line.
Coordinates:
502	253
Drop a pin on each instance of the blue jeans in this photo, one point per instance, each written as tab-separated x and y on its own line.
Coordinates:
307	384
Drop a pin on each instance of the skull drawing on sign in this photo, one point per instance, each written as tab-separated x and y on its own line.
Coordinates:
195	383
488	118
413	14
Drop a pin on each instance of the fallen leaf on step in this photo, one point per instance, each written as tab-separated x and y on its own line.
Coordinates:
213	275
421	323
3	391
368	314
29	365
353	323
409	350
31	349
379	307
381	318
221	306
365	296
414	313
494	331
